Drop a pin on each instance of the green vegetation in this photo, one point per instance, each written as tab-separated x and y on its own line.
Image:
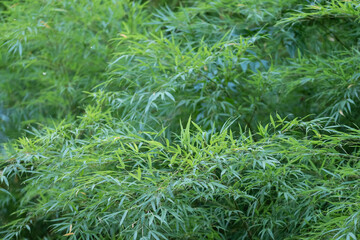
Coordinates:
214	119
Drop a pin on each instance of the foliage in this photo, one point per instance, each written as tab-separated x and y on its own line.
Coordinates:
52	51
104	179
213	119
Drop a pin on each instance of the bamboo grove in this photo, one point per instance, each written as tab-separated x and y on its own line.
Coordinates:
213	119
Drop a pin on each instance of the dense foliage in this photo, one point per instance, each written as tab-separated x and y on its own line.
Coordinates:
214	119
